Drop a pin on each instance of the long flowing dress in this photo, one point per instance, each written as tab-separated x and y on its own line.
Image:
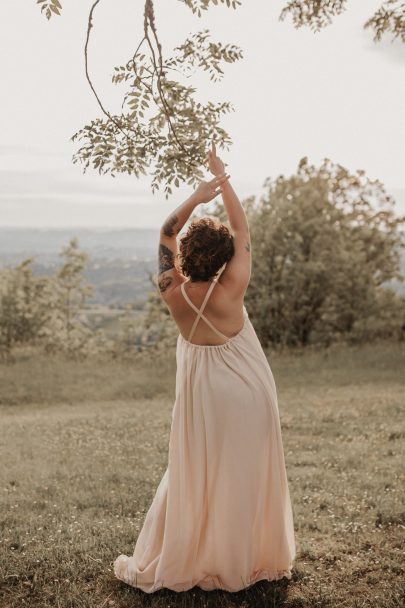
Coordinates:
221	517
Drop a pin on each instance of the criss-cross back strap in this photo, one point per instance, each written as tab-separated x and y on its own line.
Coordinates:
200	311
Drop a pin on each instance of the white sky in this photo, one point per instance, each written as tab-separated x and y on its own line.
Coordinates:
296	93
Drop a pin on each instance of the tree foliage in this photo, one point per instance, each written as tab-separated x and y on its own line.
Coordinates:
324	242
48	311
50	7
162	128
24	305
325	245
172	140
315	14
67	332
389	18
151	332
198	6
158	330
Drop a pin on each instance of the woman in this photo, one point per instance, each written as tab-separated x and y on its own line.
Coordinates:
221	516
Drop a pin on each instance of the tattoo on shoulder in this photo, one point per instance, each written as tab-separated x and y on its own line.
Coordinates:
166	258
164	283
168	226
247	246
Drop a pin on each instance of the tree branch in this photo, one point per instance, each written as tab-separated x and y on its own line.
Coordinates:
149	18
86	63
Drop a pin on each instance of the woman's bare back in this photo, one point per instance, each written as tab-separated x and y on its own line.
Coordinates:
225	313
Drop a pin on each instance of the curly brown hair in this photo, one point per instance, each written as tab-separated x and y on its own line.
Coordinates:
205	248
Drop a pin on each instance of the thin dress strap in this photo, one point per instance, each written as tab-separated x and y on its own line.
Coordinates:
200	311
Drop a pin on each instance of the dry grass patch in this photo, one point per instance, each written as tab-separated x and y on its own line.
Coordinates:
78	475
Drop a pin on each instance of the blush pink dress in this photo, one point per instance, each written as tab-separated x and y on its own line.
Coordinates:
221	517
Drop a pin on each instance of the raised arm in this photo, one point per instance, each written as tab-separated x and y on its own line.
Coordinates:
236	275
168	276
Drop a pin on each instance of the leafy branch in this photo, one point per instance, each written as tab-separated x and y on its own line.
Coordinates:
161	125
390	17
197	6
49	7
315	14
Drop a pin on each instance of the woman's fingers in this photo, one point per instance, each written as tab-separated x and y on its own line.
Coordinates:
216	192
208	157
220	179
219	189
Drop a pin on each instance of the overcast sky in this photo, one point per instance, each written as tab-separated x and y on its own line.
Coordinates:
296	93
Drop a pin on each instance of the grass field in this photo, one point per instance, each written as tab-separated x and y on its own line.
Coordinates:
84	445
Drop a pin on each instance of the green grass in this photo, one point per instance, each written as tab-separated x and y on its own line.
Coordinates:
84	445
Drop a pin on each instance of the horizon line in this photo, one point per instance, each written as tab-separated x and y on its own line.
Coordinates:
81	227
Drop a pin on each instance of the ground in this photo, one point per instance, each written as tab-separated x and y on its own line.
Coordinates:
84	445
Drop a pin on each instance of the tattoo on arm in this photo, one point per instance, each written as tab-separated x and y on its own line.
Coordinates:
166	258
169	225
164	283
247	246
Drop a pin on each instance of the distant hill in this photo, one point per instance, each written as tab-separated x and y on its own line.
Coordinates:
17	243
119	259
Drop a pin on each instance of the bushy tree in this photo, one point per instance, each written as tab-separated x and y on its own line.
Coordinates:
159	331
67	330
48	311
324	244
25	302
151	334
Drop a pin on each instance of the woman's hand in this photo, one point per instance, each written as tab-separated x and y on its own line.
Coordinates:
206	191
215	164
